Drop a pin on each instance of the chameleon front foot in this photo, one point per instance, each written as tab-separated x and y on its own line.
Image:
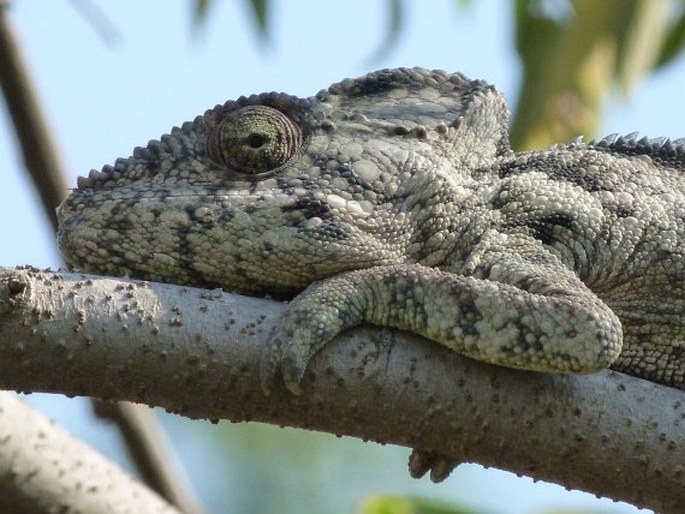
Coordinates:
312	320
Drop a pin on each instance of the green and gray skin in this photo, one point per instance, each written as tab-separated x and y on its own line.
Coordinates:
395	199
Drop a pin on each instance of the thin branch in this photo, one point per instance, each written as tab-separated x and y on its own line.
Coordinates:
45	470
98	20
37	146
197	352
149	448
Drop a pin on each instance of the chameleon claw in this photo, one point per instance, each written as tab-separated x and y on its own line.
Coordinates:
270	368
280	363
293	371
294	388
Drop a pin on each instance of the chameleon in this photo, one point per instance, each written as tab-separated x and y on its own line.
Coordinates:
395	199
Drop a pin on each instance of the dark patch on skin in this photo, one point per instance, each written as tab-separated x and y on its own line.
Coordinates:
497	201
624	213
253	187
268	247
546	229
308	207
188	260
304	182
202	223
226	217
346	172
330	230
358	186
120	219
190	211
512	167
577	176
469	329
371	85
550	166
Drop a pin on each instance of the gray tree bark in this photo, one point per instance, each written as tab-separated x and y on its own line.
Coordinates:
196	352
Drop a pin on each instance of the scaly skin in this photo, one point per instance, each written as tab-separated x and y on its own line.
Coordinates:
395	199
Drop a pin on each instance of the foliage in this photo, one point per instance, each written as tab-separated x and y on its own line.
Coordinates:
574	52
259	9
386	504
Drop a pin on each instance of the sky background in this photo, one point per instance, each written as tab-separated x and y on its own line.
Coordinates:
102	99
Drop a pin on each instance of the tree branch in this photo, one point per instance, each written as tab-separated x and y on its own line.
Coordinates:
33	135
44	470
196	352
150	450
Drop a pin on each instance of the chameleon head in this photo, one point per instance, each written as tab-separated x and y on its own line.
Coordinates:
271	192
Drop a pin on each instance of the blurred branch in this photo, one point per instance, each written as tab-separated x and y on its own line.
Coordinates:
149	448
260	9
33	135
97	19
44	470
674	42
640	32
200	12
395	9
196	352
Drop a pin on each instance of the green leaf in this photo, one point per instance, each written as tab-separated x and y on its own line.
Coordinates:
674	41
463	4
393	29
639	28
260	9
387	504
573	54
200	14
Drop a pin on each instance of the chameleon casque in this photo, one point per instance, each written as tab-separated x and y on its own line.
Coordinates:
395	199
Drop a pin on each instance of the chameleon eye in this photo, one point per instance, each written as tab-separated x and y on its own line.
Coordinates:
254	139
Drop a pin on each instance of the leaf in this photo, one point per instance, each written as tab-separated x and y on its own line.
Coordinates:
573	53
639	29
392	32
260	9
200	14
674	41
387	504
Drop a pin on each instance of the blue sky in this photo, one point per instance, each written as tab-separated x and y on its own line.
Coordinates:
102	100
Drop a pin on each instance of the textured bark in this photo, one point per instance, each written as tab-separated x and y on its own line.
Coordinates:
197	353
45	470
